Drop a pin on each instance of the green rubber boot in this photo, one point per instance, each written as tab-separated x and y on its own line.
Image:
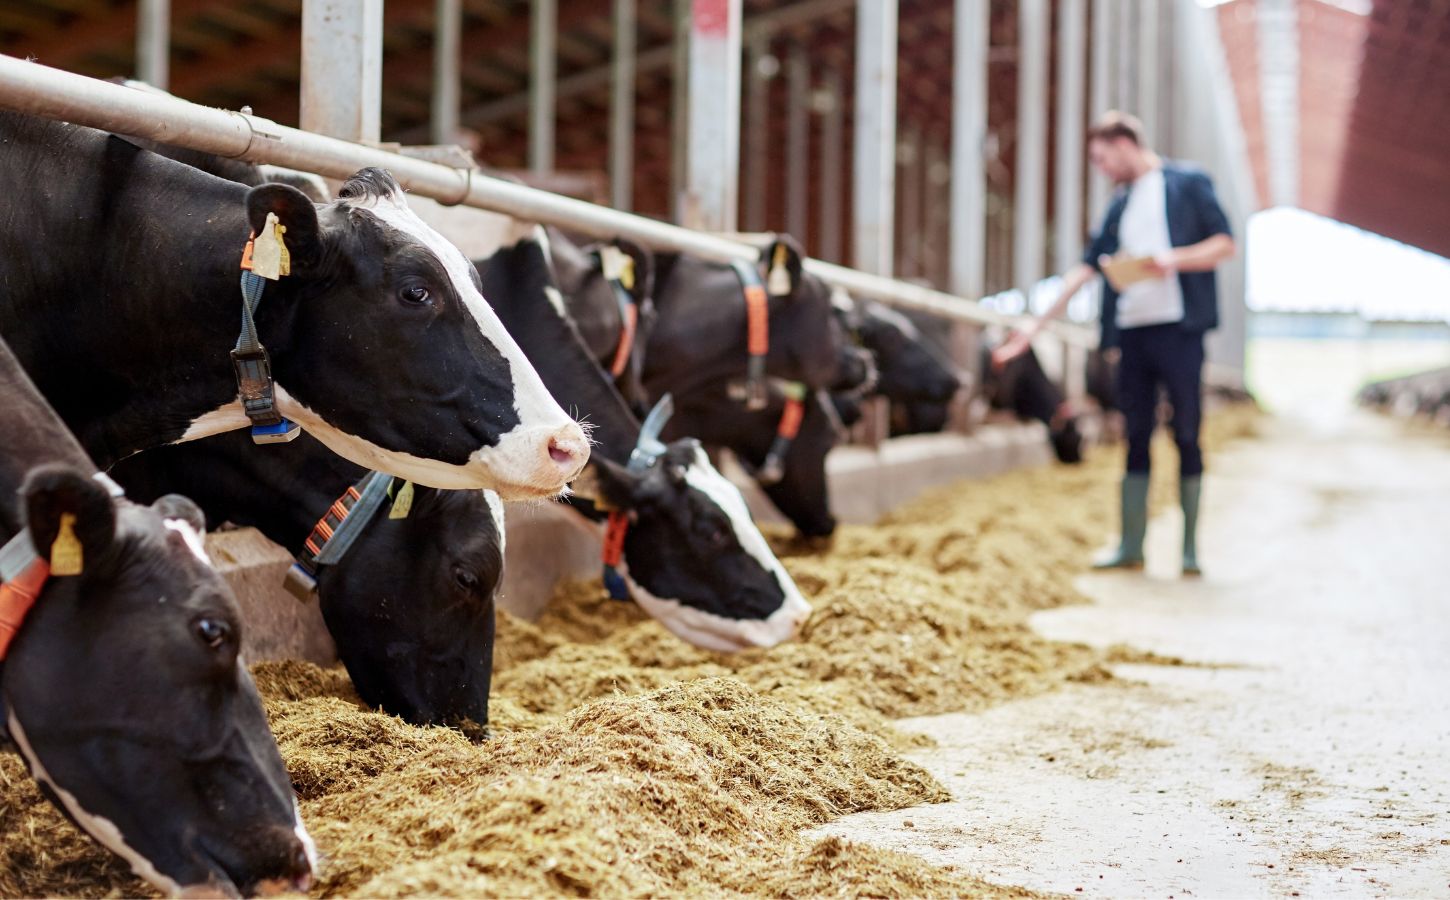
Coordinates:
1188	489
1129	554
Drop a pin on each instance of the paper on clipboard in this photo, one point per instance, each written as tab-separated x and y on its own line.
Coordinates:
1123	271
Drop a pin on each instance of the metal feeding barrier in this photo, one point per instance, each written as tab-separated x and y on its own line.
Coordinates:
32	88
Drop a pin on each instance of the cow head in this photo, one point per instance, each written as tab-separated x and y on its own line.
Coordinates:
411	607
693	556
125	695
910	370
384	349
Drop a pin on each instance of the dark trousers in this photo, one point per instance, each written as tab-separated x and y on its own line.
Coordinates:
1163	356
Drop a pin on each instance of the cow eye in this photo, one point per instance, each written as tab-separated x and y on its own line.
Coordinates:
719	536
213	632
414	295
465	579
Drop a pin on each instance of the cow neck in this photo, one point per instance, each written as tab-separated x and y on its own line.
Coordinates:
281	492
700	329
34	434
144	251
515	282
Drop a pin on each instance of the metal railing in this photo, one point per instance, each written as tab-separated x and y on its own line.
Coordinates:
35	89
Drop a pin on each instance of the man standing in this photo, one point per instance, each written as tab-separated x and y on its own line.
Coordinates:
1166	215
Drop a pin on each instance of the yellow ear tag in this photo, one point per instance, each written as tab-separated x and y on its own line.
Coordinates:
403	503
779	281
267	250
285	268
66	556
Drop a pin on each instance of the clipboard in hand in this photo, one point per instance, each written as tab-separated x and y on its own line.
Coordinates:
1123	271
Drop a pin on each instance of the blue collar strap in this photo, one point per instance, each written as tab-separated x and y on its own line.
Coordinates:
252	364
647	451
335	532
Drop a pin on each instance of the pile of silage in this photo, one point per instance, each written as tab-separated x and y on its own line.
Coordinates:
627	763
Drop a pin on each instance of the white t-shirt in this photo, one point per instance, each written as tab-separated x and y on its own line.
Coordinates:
1143	231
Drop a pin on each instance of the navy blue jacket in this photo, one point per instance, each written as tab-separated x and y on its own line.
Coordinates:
1193	215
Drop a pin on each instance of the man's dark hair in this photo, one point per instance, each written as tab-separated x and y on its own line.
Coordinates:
1113	125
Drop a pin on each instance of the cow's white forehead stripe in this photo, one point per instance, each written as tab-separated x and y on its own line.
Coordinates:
193	541
703	477
102	829
495	507
531	399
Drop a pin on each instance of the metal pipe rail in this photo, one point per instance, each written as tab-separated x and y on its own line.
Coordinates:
39	90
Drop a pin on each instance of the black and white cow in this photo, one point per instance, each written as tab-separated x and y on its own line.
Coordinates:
410	606
122	296
1023	387
912	372
692	555
700	331
122	687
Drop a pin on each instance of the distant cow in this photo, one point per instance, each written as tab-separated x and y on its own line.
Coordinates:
1025	390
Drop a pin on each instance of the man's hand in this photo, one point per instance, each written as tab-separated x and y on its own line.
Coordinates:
1163	264
1015	345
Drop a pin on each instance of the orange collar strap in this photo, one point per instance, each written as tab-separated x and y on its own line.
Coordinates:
614	534
17	596
773	469
757	339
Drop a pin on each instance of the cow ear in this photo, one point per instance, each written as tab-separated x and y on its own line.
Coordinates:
64	506
175	506
606	484
295	211
644	269
782	261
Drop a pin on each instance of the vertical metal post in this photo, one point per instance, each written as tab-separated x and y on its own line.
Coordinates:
153	42
936	175
874	191
833	142
680	105
912	223
798	143
1029	205
713	166
621	107
1067	217
1100	86
1125	55
968	242
447	24
759	69
543	68
342	68
1148	69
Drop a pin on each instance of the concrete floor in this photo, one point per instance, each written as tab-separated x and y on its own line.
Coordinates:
1310	755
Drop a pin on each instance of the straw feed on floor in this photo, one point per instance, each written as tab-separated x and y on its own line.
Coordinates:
624	762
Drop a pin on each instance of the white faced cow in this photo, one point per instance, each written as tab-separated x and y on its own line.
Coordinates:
121	294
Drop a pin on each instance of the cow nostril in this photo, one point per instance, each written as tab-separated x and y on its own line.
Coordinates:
560	453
